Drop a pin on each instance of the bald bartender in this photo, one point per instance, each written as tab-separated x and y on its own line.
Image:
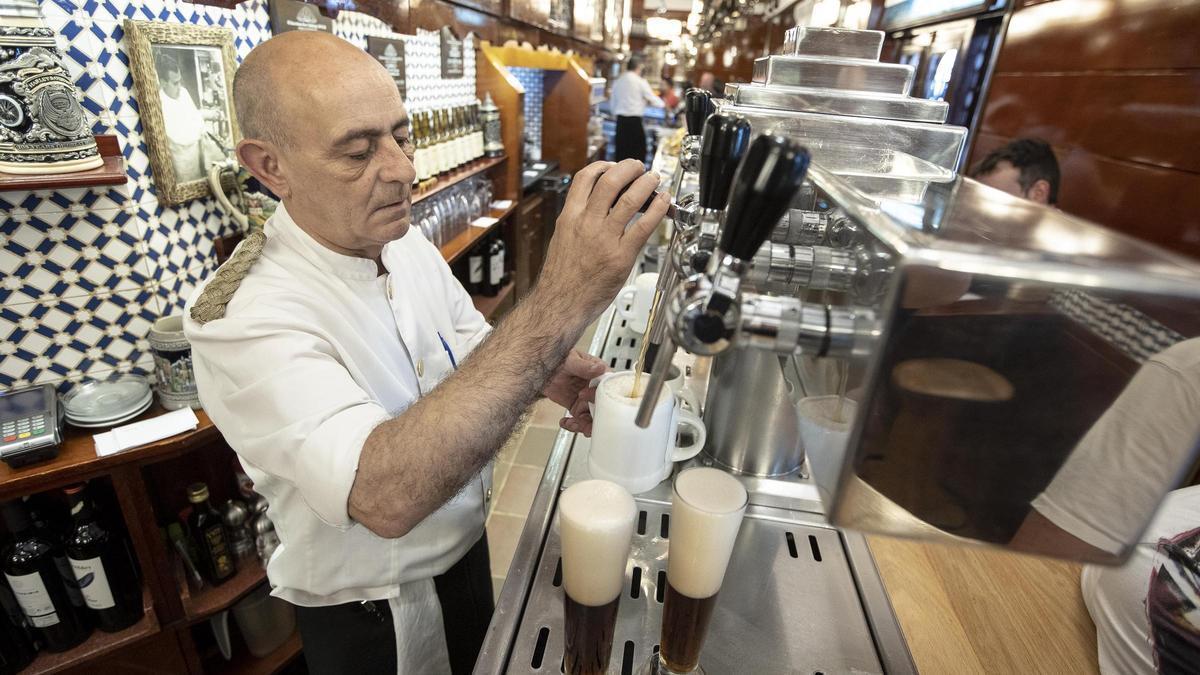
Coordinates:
350	372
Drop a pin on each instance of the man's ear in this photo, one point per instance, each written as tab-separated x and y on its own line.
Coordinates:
1039	191
261	159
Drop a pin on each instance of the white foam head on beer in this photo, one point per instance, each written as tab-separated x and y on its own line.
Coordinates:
705	517
595	520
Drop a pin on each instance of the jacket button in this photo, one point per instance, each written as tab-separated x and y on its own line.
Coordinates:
420	367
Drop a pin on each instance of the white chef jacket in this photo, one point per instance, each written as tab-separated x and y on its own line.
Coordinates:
630	95
315	350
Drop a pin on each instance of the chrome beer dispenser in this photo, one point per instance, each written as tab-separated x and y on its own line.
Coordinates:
1016	377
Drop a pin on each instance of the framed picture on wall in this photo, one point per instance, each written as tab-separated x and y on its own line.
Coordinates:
184	80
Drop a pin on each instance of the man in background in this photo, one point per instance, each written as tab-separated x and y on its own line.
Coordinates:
1025	168
630	96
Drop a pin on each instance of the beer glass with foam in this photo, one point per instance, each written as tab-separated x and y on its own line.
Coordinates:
595	521
706	514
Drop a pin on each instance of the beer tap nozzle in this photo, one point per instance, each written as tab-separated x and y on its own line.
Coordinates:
705	313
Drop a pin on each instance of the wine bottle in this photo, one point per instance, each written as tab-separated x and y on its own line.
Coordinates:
477	120
495	266
212	541
475	271
435	140
428	166
17	648
101	562
414	136
50	521
28	564
443	131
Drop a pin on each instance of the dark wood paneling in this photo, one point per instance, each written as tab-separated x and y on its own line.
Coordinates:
392	12
1140	118
536	12
1152	203
1074	35
433	14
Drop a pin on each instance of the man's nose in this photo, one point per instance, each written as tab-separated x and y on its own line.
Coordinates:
397	165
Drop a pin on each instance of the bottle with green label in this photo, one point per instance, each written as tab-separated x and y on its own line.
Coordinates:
212	541
102	564
29	568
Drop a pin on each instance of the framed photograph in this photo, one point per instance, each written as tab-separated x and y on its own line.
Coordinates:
184	80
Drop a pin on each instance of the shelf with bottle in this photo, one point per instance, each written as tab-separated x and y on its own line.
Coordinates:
456	247
98	644
490	306
71	583
219	554
448	146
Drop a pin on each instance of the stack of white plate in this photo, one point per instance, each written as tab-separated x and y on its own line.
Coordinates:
107	403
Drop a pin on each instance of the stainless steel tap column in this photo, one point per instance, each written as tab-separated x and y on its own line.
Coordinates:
698	106
724	142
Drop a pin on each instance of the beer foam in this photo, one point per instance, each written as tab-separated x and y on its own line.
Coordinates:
618	387
595	520
705	517
820	410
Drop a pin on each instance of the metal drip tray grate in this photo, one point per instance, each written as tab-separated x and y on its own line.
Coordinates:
789	603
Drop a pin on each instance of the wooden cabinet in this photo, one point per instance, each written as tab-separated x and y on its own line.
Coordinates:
528	243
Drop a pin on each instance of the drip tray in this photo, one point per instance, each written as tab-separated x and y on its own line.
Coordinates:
789	603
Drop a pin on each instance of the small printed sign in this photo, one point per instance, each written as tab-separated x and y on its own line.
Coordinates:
452	54
295	15
390	53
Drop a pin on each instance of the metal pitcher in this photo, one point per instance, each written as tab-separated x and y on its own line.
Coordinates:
752	421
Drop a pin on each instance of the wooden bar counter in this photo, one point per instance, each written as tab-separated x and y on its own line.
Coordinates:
970	610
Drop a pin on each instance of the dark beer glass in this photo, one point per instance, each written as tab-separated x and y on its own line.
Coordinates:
706	514
595	521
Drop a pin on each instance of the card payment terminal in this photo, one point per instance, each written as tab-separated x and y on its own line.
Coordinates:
30	425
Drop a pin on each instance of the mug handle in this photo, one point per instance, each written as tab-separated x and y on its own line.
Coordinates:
686	452
687	398
626	314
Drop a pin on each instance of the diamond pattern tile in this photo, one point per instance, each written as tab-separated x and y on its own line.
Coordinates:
68	339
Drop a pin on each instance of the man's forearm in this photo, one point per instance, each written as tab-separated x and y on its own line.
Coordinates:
414	463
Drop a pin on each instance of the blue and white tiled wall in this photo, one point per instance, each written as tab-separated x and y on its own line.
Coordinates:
533	80
85	272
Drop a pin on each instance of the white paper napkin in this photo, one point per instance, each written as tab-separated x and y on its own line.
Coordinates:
146	431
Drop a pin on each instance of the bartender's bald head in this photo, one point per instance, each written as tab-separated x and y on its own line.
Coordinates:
325	129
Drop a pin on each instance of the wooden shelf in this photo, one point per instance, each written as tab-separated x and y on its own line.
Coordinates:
212	599
99	643
77	459
487	306
473	169
111	172
245	663
459	245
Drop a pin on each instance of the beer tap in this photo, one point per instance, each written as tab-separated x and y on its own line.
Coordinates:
710	312
705	313
698	105
724	142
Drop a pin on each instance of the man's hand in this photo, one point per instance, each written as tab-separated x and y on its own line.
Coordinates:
570	388
592	251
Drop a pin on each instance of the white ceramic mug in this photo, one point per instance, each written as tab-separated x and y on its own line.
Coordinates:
637	459
634	301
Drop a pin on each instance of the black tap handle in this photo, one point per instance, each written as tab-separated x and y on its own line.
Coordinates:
698	105
726	138
766	182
